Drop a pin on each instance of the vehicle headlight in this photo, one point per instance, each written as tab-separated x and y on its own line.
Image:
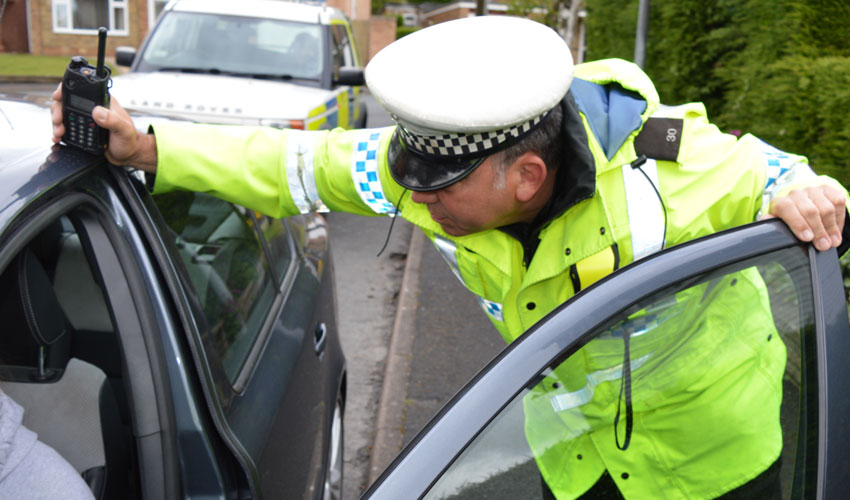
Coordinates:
277	123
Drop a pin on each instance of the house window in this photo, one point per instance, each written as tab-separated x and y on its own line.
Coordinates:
86	16
154	8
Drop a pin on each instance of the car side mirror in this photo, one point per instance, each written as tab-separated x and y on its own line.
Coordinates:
124	56
350	75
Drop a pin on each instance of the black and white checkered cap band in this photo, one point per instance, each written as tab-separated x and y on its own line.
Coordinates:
459	145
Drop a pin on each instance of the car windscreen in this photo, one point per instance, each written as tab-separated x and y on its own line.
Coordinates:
242	46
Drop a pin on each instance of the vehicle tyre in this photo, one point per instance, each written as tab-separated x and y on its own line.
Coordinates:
333	475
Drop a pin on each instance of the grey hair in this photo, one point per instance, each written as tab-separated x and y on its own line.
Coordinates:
545	141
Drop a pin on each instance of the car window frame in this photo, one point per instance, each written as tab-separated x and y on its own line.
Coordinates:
103	228
446	436
283	286
188	315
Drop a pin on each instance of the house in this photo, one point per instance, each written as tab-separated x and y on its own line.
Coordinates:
69	27
430	13
408	12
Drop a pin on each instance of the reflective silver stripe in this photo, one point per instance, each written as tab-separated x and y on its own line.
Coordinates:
299	171
646	216
447	249
570	400
364	173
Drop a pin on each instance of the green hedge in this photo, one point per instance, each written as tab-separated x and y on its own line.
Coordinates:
401	31
777	68
798	104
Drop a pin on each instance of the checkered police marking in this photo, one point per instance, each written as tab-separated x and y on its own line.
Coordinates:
333	116
492	309
462	144
782	170
364	173
299	173
778	163
447	249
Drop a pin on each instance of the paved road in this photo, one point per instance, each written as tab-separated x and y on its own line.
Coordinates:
367	292
423	339
440	339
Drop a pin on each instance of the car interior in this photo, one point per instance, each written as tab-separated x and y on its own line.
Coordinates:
61	360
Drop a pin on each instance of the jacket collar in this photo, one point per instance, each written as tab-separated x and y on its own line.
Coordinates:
613	113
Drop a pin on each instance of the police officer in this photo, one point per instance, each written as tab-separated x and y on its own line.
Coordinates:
534	178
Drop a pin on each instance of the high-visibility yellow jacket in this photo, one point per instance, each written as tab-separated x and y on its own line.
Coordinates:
605	214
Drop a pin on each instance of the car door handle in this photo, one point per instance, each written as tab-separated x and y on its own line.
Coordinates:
320	338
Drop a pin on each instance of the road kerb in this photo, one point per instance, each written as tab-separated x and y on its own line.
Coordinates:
389	431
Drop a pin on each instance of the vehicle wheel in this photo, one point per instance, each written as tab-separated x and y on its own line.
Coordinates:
333	477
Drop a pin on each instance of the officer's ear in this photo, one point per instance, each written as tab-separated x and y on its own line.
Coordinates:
530	176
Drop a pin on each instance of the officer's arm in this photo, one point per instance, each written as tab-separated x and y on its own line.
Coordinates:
814	213
813	207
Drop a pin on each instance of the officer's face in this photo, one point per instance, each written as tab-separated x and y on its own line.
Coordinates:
473	204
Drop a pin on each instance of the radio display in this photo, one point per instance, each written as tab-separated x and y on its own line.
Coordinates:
81	103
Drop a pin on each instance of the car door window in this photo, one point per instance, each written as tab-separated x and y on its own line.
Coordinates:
228	267
708	375
279	244
343	54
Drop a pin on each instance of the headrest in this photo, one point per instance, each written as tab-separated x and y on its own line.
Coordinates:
34	325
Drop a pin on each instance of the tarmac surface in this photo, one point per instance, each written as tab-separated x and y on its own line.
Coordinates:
437	340
440	339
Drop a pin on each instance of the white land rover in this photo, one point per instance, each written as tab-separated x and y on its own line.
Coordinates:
260	62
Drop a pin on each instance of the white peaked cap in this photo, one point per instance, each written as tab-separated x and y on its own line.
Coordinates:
463	89
472	74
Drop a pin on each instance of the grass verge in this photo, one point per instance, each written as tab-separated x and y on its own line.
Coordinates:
30	65
23	66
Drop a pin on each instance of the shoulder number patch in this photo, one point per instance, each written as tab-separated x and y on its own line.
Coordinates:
659	139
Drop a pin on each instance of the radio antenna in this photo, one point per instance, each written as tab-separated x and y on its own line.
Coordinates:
101	51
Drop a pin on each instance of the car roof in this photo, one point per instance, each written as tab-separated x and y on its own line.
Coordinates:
271	9
30	164
24	125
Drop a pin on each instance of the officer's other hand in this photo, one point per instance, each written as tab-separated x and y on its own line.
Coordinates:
126	145
814	214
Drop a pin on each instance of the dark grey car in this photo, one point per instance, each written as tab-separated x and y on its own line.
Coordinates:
477	447
169	346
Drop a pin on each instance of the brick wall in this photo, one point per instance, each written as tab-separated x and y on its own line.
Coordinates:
372	34
382	33
13	31
459	10
46	42
362	8
448	15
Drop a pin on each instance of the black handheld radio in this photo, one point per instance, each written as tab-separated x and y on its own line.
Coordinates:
84	87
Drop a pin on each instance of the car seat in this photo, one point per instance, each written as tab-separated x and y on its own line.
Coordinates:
67	401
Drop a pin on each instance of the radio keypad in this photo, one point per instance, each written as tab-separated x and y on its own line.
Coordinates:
81	129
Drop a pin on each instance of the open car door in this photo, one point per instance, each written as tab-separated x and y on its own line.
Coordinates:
713	365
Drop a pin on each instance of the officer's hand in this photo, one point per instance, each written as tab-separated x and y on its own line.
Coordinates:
814	214
126	145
